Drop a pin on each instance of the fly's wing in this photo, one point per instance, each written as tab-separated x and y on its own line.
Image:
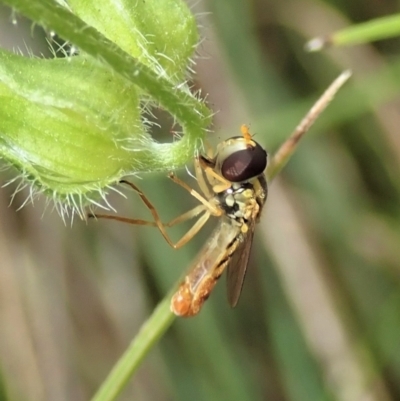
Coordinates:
238	265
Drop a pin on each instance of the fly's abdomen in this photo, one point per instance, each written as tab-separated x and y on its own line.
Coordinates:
202	277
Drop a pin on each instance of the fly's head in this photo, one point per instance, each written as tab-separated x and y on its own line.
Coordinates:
238	159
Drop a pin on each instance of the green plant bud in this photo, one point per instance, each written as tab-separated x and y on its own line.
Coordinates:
160	33
71	126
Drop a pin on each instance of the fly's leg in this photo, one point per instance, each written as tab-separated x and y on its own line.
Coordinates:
193	230
204	207
213	209
199	171
212	176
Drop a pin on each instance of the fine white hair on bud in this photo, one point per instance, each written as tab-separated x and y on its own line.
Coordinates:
73	126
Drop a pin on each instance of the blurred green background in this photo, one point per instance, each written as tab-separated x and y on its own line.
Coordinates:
319	317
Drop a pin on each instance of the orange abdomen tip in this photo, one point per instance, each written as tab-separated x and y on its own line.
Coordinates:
181	301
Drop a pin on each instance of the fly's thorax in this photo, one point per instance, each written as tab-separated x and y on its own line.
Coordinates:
238	201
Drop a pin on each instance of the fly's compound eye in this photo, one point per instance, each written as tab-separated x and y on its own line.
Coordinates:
244	164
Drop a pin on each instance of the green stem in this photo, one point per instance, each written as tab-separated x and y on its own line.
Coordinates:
149	334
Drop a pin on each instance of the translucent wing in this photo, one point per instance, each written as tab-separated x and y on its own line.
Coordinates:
238	265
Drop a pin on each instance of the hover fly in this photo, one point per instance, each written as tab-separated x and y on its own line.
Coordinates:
233	188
